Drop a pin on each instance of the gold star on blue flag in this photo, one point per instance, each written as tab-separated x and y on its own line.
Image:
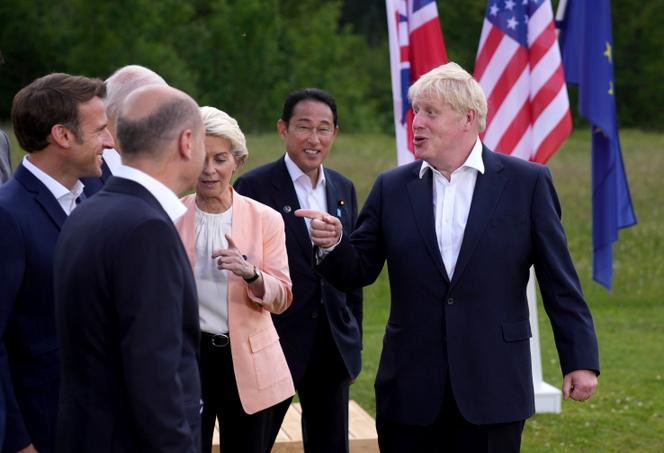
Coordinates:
586	45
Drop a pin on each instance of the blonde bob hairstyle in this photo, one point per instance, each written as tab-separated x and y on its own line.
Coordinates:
221	124
454	86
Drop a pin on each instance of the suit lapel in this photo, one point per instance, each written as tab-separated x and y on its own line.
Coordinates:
285	201
332	197
420	192
42	195
488	188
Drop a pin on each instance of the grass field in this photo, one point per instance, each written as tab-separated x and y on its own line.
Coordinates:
627	413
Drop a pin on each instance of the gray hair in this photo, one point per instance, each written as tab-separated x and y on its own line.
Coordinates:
453	85
124	81
221	124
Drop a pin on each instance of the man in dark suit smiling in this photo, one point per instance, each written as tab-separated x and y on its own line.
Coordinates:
321	331
60	121
459	231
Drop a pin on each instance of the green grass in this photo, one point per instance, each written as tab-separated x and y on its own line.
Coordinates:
627	413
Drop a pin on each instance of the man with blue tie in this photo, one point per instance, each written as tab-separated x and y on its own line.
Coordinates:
118	86
60	121
459	230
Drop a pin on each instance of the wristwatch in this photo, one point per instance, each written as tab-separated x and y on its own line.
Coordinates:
253	278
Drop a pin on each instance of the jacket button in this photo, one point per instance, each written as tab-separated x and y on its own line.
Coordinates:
450	301
314	314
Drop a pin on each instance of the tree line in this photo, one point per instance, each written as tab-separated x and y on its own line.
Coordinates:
244	56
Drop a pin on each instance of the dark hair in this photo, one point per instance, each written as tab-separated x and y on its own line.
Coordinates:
50	100
149	133
308	94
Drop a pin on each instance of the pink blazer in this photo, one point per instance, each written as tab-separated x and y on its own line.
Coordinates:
261	372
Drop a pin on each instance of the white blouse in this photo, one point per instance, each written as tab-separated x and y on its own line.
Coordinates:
211	282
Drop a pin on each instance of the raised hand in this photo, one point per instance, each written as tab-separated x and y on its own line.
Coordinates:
325	229
232	259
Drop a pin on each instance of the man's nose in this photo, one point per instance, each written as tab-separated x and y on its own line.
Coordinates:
108	141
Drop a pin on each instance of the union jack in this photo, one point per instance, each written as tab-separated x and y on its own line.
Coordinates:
416	47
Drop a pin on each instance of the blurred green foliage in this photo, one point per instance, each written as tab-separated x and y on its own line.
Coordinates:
245	56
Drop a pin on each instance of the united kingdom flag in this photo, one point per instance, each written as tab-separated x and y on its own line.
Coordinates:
416	47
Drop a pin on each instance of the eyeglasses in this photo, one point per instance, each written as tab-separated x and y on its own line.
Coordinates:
306	131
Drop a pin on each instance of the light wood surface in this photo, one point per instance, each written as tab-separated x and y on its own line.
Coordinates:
361	431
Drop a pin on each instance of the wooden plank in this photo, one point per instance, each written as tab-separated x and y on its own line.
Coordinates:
361	431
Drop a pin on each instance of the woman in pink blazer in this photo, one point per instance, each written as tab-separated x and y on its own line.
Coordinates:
237	249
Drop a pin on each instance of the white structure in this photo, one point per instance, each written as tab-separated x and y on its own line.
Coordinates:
547	397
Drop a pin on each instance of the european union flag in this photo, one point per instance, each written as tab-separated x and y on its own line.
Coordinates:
586	44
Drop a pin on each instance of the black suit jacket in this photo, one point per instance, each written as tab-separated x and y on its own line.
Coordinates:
127	319
30	222
475	328
271	185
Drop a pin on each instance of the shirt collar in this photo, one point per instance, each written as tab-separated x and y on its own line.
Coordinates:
474	160
165	196
112	159
57	189
296	172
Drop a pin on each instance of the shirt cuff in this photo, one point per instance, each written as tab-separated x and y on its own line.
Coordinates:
321	253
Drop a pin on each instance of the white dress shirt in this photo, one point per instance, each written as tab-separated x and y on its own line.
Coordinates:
212	283
309	197
451	204
165	196
65	197
112	159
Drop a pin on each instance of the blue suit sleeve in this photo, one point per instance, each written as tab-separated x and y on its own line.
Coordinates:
562	297
357	261
150	288
12	265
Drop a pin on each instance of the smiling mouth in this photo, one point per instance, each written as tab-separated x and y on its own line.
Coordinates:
311	152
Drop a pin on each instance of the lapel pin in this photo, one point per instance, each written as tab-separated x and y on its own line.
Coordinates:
340	205
287	209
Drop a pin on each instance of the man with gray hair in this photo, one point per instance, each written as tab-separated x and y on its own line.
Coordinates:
118	86
125	295
459	230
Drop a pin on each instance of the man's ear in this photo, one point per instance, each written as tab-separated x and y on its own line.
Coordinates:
186	144
62	136
282	127
470	119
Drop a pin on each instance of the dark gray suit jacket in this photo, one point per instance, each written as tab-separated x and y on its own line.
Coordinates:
5	158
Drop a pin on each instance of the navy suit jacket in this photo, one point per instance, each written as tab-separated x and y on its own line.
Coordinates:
30	222
271	184
127	318
474	329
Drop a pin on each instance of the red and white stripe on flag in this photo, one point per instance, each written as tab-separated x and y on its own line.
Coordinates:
519	67
416	47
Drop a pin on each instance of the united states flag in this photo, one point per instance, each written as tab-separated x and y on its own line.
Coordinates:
518	65
416	47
